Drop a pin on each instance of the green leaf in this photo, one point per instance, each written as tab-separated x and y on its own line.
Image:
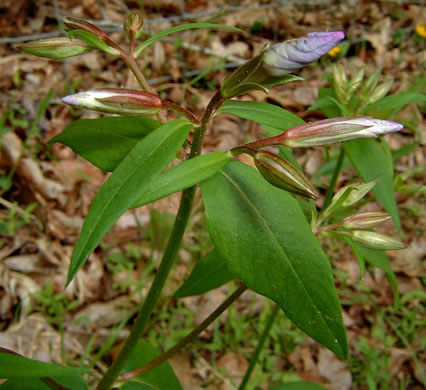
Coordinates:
184	175
389	105
267	243
298	386
181	27
72	382
136	386
263	113
93	40
125	185
161	377
327	103
288	78
105	141
210	272
371	163
16	366
380	260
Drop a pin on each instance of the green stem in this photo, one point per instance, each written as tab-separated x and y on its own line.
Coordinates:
168	257
137	72
259	347
187	339
182	110
334	178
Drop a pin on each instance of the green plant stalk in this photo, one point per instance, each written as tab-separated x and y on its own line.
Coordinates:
336	172
259	347
137	72
187	339
169	255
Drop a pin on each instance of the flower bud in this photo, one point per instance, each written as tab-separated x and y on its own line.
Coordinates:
55	48
116	101
340	83
133	25
330	131
348	196
92	35
362	221
280	173
369	85
286	57
373	240
380	91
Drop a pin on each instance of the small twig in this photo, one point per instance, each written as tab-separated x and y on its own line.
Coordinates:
182	343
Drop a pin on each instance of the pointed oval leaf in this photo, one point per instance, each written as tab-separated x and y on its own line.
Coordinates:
16	366
184	175
161	377
73	382
181	27
372	163
209	273
263	113
263	236
105	141
125	185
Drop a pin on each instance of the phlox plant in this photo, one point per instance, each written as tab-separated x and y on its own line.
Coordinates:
263	222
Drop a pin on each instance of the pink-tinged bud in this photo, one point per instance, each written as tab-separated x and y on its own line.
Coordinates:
117	101
133	25
361	221
55	48
330	131
373	240
92	35
286	57
280	173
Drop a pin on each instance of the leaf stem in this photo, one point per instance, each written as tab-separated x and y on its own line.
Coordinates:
187	339
259	347
169	255
182	110
133	65
336	172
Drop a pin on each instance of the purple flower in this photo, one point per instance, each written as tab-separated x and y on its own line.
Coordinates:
286	57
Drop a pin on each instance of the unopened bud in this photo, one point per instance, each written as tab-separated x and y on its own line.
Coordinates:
117	101
55	48
373	240
362	221
133	25
380	91
330	131
340	83
92	35
348	196
369	84
286	57
284	175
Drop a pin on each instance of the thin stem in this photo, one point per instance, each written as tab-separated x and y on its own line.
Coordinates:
188	114
187	339
136	70
259	347
334	178
169	255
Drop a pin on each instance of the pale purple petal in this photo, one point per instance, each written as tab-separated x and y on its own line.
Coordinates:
283	58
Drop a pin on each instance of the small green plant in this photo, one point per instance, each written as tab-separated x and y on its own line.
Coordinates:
256	224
